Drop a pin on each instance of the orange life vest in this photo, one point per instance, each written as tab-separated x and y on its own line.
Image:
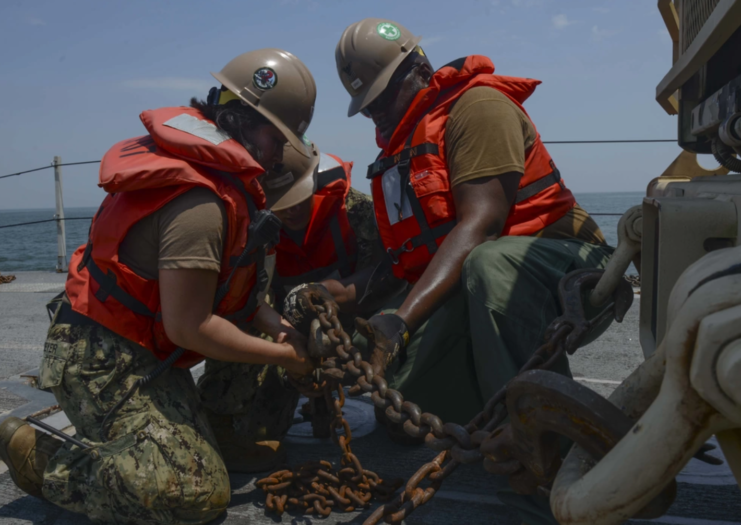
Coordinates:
320	256
141	175
410	182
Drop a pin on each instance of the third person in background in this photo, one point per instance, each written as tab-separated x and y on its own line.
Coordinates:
329	243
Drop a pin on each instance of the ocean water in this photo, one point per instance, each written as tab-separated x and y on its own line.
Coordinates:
34	247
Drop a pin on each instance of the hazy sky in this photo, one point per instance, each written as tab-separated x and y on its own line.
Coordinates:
76	74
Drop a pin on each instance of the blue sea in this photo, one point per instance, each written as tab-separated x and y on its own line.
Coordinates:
34	247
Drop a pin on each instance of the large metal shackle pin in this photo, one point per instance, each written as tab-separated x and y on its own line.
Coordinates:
716	363
630	233
683	394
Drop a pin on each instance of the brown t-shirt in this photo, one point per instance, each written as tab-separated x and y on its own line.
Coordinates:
186	233
487	135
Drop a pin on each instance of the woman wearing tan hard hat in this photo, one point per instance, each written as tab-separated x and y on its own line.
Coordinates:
174	270
329	233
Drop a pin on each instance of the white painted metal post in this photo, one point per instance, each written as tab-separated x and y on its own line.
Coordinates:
59	216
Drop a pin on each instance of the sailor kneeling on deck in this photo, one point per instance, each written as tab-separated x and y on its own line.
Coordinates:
472	212
175	268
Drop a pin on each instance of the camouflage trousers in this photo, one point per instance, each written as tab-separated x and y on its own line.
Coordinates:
160	462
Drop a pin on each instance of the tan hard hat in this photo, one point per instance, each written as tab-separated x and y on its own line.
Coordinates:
295	182
367	55
278	85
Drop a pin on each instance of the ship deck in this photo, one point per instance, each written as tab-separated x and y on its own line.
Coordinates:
707	494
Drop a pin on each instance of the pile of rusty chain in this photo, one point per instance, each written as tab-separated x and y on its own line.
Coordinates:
5	279
316	487
457	444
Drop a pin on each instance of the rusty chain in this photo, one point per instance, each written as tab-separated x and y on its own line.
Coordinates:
316	487
5	279
457	444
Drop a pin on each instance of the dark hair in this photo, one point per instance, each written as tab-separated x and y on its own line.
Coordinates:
235	118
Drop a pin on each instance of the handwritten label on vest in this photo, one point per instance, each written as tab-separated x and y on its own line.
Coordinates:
397	203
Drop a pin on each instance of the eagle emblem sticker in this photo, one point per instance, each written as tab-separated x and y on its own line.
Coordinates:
388	31
265	78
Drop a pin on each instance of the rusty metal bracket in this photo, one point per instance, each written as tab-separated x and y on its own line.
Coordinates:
544	406
573	292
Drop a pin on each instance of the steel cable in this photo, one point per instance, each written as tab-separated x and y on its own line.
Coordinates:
50	166
46	220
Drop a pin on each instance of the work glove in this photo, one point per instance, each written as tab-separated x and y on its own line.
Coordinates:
387	335
299	308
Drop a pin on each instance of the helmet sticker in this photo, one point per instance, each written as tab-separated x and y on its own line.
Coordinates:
306	140
356	83
388	31
265	78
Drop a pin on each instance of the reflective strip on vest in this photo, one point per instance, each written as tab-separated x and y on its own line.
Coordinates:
329	171
398	206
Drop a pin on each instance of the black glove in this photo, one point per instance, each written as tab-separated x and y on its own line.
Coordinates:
299	307
387	335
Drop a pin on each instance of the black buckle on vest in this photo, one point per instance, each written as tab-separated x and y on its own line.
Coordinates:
403	168
394	254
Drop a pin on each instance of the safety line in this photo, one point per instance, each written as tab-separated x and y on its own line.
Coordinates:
628	141
47	220
50	166
606	141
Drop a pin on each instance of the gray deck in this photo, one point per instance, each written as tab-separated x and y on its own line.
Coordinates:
707	495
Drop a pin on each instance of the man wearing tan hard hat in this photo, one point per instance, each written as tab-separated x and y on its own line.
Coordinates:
329	243
174	271
472	212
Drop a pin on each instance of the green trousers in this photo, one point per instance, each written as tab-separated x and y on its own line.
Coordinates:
160	463
479	339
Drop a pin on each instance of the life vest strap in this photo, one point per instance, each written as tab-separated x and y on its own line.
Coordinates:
381	165
415	242
108	287
239	318
247	260
539	185
339	246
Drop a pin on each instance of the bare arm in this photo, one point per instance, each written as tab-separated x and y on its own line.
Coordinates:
482	206
187	297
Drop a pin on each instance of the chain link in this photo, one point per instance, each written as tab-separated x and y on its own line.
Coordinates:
316	487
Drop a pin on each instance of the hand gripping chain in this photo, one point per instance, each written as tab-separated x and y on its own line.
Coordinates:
315	487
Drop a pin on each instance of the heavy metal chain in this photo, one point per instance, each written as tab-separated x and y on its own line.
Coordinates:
316	487
457	444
